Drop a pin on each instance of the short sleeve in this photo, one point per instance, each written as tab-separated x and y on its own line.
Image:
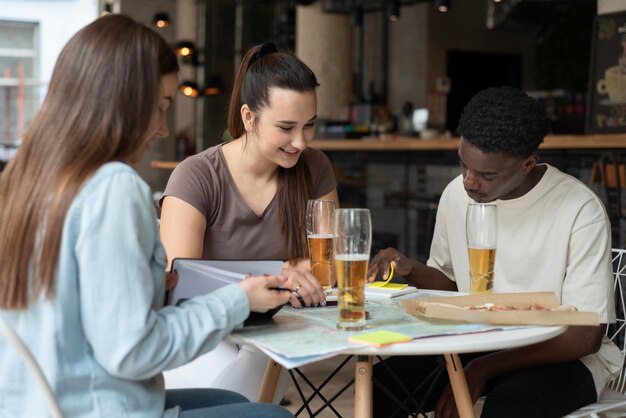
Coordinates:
189	182
588	281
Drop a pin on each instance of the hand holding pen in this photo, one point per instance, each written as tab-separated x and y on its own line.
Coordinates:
261	294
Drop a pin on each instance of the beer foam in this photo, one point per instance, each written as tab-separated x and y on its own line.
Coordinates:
319	236
352	257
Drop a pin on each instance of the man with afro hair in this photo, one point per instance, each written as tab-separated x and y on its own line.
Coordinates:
553	235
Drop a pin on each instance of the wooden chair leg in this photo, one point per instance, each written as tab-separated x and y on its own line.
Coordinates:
459	386
363	387
269	382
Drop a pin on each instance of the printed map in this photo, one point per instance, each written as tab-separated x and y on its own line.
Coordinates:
299	336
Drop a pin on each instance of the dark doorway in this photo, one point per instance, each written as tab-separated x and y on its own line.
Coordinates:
470	72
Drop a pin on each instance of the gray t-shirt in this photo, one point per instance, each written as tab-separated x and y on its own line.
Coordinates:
233	230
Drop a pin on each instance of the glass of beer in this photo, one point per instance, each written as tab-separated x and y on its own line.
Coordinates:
482	235
319	234
352	242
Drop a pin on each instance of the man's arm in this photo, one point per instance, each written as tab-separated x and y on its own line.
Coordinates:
426	277
573	344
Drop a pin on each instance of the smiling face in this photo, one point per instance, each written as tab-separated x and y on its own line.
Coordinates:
491	176
283	129
158	127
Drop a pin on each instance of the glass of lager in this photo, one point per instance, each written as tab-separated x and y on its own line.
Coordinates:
482	235
319	234
352	242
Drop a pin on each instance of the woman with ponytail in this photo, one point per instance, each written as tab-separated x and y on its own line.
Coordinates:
246	199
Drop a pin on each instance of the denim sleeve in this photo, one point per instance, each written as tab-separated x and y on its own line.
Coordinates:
121	288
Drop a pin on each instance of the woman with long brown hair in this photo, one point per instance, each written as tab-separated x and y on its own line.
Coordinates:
82	265
246	199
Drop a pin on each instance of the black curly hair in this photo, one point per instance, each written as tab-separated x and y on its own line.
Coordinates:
504	120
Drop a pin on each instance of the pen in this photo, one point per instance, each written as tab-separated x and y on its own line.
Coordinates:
285	289
321	305
281	289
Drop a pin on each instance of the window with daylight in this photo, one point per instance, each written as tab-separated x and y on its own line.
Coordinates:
19	83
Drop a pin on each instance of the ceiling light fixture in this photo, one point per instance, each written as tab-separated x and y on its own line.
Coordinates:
185	48
442	6
189	89
161	20
187	52
213	87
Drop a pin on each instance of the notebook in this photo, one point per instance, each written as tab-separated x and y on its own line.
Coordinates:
389	290
199	277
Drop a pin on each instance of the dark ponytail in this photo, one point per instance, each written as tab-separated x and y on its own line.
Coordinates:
234	122
262	68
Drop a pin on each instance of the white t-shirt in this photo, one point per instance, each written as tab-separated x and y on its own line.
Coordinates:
557	237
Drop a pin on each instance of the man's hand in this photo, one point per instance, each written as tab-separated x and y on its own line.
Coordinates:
416	273
401	264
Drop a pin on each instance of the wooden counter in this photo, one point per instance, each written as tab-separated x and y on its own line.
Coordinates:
555	142
451	144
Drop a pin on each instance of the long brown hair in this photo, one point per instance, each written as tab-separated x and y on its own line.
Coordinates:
262	68
101	100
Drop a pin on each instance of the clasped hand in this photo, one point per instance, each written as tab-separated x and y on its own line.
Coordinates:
307	291
381	261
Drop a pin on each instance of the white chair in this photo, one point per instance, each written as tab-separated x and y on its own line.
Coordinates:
612	402
31	363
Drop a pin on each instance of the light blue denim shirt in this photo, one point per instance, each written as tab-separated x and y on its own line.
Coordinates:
104	339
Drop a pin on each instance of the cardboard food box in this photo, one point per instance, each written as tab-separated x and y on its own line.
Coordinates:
536	308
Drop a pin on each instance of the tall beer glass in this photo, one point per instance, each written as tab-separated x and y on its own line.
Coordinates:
482	236
319	234
352	242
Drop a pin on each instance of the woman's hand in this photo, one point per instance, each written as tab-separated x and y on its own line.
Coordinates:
263	294
380	263
305	287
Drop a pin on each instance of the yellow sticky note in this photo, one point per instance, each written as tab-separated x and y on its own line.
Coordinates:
390	286
380	338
